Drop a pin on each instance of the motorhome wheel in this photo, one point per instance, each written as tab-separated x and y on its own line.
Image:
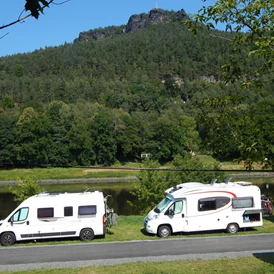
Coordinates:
86	234
164	231
232	228
7	238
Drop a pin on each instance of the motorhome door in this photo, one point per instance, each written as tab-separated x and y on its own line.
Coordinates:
176	215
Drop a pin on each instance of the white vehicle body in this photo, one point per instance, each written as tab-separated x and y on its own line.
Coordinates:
45	216
191	207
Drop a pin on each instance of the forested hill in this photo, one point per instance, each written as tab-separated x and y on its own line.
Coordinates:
117	68
136	91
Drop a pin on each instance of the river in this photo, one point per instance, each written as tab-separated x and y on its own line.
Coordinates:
118	201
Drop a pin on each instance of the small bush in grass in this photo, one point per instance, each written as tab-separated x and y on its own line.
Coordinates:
24	189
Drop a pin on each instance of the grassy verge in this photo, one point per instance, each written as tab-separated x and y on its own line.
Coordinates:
64	173
247	265
90	172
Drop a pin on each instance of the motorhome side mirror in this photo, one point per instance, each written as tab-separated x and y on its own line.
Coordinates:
11	220
170	212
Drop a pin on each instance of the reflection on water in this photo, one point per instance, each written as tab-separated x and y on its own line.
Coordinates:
119	200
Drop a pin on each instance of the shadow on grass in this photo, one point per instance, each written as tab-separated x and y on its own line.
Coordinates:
267	257
143	231
204	233
269	218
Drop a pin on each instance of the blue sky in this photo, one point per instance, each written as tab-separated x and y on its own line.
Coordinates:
63	23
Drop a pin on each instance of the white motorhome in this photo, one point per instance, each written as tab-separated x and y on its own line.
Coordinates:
193	206
56	215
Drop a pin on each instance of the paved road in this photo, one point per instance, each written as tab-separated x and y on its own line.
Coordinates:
20	257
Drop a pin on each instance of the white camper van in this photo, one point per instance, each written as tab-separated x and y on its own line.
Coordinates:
56	215
190	207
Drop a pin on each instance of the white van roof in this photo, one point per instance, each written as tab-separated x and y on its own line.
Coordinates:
46	199
194	187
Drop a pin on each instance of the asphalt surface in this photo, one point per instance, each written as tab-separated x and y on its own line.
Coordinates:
18	258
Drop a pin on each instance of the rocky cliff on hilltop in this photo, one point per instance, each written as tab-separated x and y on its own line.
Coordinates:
135	23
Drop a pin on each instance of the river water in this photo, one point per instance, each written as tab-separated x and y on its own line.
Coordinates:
118	201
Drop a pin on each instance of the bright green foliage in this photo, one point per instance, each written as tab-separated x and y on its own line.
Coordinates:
60	120
33	138
218	122
169	140
81	145
102	134
194	170
7	139
151	189
233	130
252	21
7	102
153	183
128	138
24	189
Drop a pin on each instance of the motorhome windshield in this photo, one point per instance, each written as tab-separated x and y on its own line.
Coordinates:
162	205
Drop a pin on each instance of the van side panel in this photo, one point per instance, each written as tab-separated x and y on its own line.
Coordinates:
57	216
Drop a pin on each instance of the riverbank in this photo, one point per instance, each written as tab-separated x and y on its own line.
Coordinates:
77	181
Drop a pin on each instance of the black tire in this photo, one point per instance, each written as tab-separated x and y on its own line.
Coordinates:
7	238
232	228
86	234
164	231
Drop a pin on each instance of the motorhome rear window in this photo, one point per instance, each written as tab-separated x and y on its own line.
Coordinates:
242	202
87	210
47	212
212	203
68	211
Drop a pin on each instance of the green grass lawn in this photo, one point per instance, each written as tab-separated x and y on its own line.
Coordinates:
246	265
121	170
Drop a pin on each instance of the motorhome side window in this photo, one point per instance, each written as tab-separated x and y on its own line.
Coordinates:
212	203
87	210
47	212
68	211
21	214
242	202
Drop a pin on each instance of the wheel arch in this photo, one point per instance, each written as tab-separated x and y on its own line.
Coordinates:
166	224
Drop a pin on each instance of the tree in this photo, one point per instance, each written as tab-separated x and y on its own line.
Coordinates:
60	119
33	137
102	134
230	129
24	189
7	139
153	182
35	8
252	22
151	189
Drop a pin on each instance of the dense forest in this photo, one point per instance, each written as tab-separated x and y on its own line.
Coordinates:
156	91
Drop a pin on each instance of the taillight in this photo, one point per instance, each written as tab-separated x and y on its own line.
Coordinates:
104	219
